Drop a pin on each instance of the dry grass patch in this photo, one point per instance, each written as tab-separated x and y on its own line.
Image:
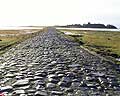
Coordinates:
9	38
102	42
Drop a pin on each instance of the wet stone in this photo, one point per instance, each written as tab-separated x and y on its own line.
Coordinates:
70	90
91	79
20	83
74	65
53	76
42	74
41	93
70	94
6	89
25	87
38	78
53	62
98	74
59	72
75	84
64	84
19	77
91	86
52	80
50	65
83	84
66	79
41	83
23	95
58	93
31	91
70	74
60	75
39	87
9	75
30	94
50	85
79	92
18	92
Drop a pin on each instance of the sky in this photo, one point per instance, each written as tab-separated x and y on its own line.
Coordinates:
58	12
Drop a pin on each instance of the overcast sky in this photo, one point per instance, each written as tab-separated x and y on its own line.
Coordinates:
59	12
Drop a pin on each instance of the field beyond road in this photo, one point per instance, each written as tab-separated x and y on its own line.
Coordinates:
11	37
105	43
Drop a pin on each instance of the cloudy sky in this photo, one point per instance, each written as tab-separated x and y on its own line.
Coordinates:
59	12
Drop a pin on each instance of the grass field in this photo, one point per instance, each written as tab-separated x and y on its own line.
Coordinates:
9	38
104	43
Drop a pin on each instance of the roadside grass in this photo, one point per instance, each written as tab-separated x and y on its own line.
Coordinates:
9	31
7	40
104	43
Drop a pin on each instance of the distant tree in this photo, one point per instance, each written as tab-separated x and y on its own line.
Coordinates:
84	25
111	26
89	23
94	25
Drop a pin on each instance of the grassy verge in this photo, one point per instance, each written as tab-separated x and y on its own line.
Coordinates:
9	38
106	44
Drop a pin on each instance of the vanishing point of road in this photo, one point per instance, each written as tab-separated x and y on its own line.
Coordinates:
52	65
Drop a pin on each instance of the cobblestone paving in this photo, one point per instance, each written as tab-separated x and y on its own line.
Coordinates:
51	65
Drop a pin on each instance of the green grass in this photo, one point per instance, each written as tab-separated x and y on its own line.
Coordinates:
104	43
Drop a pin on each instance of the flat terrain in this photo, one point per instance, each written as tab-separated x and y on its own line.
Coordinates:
11	37
50	64
102	42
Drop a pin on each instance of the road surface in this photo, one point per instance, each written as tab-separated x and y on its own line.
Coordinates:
52	65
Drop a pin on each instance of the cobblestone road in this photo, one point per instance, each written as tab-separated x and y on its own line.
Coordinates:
52	65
